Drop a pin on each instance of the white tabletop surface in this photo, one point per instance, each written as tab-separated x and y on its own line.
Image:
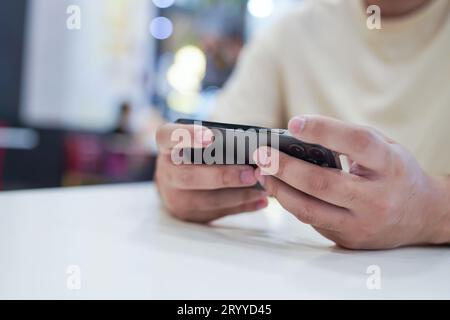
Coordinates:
124	245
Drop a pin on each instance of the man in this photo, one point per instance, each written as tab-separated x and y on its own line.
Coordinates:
390	90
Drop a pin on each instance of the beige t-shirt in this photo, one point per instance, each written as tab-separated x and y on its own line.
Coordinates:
323	59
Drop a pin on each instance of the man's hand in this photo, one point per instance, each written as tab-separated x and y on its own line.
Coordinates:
200	193
385	201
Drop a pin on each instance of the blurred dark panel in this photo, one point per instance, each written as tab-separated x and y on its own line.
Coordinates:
41	167
12	26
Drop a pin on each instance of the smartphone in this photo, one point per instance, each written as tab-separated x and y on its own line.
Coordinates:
239	142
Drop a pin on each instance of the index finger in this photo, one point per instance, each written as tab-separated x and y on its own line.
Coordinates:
180	136
361	144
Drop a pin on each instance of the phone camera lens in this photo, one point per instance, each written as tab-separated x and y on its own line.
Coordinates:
318	155
297	151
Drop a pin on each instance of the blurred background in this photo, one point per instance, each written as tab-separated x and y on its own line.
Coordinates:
84	84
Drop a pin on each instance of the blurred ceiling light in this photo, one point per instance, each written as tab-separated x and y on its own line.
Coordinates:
188	70
260	8
182	80
163	3
193	58
161	28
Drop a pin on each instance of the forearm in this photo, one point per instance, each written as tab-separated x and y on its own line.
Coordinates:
441	229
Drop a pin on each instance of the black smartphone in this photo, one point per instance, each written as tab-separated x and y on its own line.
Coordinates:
238	143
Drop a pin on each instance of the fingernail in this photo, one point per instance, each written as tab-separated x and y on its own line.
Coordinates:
297	124
204	137
261	204
260	177
208	136
262	157
248	177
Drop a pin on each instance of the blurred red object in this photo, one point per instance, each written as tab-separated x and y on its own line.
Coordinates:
98	159
83	153
83	159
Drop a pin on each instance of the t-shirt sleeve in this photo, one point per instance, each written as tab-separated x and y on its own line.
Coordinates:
253	94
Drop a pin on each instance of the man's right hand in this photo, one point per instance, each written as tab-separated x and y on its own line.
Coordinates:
202	193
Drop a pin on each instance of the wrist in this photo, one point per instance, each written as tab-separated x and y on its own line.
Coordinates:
439	215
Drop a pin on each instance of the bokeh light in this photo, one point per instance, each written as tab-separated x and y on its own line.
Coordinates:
260	8
185	76
188	70
163	3
161	28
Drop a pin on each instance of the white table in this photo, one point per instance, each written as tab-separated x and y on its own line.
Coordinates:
124	245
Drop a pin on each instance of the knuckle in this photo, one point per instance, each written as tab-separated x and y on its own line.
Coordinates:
227	176
362	139
316	128
317	183
305	215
